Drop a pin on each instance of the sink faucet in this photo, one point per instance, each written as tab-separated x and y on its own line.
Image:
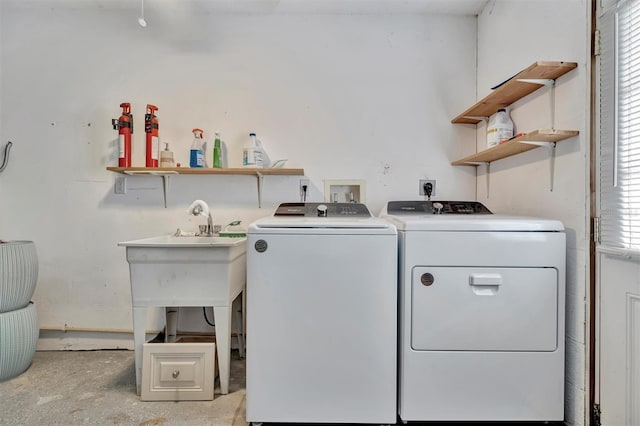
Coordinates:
200	208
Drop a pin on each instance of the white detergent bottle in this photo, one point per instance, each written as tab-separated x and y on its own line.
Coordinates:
252	153
500	128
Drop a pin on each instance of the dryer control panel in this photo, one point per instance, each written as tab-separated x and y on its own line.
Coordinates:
436	207
323	210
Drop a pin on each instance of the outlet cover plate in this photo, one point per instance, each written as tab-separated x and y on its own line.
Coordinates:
422	184
344	190
121	185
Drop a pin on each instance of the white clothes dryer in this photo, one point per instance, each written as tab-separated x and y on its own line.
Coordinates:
482	313
321	316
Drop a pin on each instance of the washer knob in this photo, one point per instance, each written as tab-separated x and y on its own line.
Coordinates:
322	210
437	208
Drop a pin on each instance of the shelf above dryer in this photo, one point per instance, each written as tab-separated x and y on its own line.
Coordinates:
526	142
517	87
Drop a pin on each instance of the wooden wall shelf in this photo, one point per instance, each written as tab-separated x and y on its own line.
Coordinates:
205	171
527	142
514	89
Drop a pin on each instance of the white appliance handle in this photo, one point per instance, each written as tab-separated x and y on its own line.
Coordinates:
485	279
485	284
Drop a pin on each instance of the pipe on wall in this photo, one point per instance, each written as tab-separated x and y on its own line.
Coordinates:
66	328
5	157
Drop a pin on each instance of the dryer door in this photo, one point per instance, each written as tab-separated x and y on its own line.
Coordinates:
484	309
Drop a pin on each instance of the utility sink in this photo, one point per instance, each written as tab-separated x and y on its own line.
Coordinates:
186	271
170	271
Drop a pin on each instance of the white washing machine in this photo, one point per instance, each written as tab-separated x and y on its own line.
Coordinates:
321	316
482	301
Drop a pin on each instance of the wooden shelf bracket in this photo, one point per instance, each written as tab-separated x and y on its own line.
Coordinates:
260	179
477	117
165	186
551	84
551	146
488	178
540	81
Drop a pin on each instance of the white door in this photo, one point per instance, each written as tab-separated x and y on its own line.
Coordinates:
619	340
496	309
618	248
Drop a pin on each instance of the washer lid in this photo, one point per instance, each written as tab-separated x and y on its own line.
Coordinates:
497	223
322	216
460	216
275	222
329	210
413	208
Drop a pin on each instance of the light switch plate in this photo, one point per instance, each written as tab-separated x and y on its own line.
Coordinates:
121	185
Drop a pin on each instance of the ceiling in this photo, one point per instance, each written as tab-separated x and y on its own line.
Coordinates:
338	7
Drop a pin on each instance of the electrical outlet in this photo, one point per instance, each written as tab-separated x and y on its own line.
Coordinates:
304	182
423	183
121	185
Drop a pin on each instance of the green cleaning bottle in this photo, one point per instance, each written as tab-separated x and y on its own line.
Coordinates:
216	152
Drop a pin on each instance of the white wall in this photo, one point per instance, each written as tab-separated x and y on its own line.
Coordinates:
511	36
342	96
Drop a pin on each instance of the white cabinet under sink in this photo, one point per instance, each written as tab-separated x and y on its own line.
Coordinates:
177	371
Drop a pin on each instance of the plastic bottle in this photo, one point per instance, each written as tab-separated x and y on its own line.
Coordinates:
253	154
166	156
217	153
500	127
196	156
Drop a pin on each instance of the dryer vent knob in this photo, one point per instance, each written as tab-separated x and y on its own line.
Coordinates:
322	210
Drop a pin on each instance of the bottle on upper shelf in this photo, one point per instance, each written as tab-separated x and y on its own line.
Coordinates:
500	127
217	152
166	156
196	157
253	154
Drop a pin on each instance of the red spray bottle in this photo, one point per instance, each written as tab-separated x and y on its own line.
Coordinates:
124	126
151	130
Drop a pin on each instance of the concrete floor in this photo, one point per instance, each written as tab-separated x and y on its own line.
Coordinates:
98	388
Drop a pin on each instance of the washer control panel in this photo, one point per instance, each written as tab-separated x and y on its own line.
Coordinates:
323	210
436	207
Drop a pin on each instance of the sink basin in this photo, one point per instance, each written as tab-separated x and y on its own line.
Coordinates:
173	241
186	271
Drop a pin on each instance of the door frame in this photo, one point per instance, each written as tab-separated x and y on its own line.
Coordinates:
592	356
